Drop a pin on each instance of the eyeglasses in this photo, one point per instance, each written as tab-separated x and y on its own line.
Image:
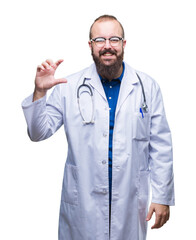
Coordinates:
101	41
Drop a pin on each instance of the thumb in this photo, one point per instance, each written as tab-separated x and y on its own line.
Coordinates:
150	213
60	80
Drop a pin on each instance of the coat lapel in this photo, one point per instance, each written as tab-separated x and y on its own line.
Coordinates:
95	81
130	78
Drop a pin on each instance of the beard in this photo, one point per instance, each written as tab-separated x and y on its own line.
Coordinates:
108	72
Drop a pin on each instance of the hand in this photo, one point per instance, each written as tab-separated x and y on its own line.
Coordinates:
44	79
161	213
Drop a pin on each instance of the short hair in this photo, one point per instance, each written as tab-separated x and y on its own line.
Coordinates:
105	18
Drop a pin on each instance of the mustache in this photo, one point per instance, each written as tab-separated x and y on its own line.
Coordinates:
107	51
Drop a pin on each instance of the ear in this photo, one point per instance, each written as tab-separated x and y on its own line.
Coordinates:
90	44
124	43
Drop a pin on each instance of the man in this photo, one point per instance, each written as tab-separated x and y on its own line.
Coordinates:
118	141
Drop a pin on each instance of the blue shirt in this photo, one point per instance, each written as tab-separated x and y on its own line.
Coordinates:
111	91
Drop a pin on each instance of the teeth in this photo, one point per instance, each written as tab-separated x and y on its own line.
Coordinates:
108	54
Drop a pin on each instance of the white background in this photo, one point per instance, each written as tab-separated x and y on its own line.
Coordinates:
161	41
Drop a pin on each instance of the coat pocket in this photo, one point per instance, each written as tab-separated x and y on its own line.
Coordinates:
141	126
70	190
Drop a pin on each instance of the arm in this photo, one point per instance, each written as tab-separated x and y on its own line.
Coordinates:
161	163
44	118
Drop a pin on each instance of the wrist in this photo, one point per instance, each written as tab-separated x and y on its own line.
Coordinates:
38	94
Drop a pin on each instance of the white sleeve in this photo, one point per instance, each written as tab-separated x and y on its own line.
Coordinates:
161	156
43	117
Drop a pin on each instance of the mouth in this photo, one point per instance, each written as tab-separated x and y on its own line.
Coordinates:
108	56
107	53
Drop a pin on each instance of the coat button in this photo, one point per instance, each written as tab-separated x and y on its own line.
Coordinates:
104	190
104	162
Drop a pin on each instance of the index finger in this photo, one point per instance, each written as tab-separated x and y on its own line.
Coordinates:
59	62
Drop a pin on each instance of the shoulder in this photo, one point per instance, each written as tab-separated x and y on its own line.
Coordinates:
148	81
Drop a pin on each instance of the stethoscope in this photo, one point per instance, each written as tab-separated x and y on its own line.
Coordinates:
91	121
144	106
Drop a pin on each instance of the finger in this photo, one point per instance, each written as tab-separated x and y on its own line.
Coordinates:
163	221
150	213
165	218
59	62
46	65
40	67
50	62
157	222
60	80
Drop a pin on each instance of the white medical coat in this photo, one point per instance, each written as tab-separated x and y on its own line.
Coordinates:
142	155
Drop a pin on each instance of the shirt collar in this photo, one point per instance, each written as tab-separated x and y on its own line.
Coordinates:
120	78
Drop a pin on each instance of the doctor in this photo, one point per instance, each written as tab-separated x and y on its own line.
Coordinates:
117	149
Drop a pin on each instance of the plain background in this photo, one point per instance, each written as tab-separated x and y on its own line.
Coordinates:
161	41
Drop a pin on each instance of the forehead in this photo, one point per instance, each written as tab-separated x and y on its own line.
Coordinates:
106	28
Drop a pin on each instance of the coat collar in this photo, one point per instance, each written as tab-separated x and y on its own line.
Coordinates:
129	80
127	84
94	80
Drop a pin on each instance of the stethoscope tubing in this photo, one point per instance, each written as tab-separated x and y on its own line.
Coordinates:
144	104
78	99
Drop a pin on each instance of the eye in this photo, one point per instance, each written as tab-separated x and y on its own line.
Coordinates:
100	40
114	39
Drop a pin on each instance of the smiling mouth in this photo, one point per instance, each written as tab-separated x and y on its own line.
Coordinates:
107	53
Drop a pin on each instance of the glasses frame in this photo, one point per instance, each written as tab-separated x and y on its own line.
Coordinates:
94	40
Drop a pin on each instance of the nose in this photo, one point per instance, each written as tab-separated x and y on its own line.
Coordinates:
107	44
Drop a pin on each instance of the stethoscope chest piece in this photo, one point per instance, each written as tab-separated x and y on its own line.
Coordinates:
144	107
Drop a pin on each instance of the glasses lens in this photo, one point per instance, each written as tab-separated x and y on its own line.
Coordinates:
114	41
100	42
